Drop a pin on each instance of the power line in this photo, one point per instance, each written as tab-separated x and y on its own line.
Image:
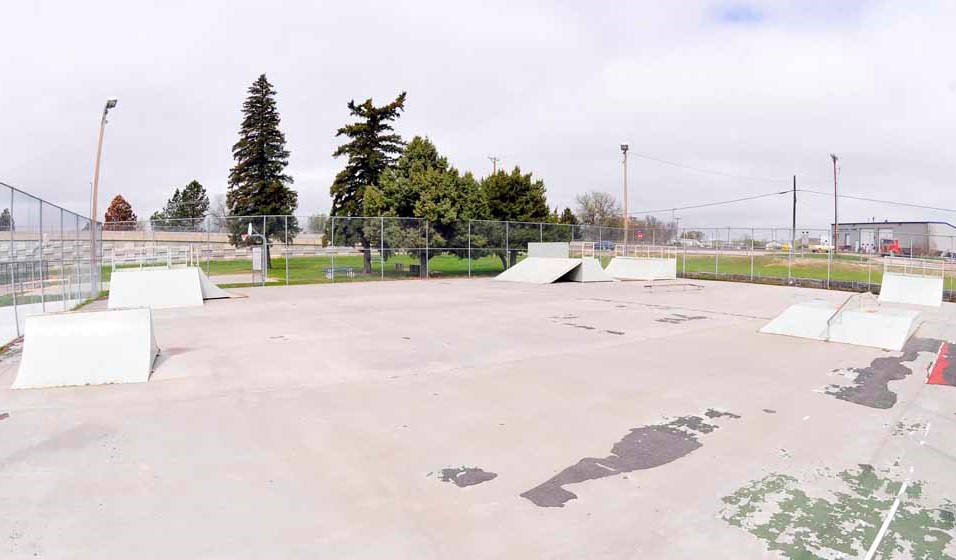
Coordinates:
865	199
708	171
707	204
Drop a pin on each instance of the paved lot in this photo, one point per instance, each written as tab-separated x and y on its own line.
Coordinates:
482	419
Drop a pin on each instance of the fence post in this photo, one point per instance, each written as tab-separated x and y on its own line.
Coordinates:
265	253
40	260
751	254
381	248
63	285
427	257
288	249
332	247
13	268
469	248
540	232
208	225
507	245
716	253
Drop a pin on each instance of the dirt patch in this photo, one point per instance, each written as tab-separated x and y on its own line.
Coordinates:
871	384
466	476
642	448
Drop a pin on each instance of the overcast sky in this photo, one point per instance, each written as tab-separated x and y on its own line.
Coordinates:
756	89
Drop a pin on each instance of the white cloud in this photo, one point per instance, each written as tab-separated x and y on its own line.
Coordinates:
553	87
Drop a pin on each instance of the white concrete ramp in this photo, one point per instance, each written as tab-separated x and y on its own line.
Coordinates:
912	289
209	289
87	348
880	327
159	288
642	268
539	270
589	271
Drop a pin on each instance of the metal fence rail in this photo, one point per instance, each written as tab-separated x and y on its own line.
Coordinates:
319	248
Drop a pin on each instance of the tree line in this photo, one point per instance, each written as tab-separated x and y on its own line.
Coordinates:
382	175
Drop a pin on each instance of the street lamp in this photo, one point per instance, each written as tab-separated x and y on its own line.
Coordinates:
110	103
626	216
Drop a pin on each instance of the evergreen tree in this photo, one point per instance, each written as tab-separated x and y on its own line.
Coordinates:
185	210
515	197
371	148
568	217
6	221
119	215
422	184
258	185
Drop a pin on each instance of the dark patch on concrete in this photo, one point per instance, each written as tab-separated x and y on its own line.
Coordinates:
4	415
769	411
75	438
177	350
902	429
564	316
714	413
466	476
642	448
871	384
615	332
577	326
678	318
805	519
406	338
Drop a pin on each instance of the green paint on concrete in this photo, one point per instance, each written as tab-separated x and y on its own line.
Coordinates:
844	523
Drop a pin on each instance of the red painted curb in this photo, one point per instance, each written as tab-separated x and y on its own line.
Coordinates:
937	375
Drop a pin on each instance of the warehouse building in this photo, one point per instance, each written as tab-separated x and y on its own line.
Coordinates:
905	238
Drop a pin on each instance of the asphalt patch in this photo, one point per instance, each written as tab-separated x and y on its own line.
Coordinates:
871	384
642	448
4	415
466	476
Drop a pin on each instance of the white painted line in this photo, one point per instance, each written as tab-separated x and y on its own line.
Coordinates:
886	522
805	418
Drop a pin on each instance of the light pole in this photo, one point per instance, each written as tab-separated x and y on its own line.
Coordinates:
627	217
110	103
836	226
494	164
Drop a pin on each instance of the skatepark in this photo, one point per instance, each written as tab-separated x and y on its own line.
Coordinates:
609	418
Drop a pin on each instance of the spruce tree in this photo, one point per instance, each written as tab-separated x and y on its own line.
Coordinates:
185	210
371	148
258	185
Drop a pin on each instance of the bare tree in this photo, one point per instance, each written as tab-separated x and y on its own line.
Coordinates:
218	212
598	208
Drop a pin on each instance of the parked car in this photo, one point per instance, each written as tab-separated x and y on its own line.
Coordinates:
604	245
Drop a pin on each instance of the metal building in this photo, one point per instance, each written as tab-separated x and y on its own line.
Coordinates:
906	238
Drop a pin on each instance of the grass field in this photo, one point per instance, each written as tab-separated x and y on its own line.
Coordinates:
312	269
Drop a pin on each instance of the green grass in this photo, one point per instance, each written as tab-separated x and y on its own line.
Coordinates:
311	270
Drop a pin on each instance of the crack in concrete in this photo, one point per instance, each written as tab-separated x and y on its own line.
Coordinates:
642	448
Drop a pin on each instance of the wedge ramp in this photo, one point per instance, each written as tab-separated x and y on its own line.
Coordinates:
87	348
160	288
539	270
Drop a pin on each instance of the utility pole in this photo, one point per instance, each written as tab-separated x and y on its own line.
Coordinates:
793	222
627	217
494	164
836	226
110	103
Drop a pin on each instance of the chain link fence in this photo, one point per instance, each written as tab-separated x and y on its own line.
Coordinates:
327	249
45	259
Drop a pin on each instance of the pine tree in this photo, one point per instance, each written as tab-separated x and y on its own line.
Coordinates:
423	184
185	210
119	215
516	197
258	185
371	149
568	217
